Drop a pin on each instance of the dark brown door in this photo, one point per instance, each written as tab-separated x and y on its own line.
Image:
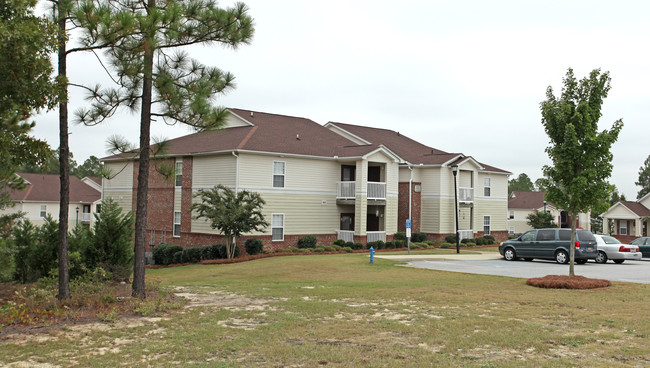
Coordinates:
347	221
373	222
374	174
348	173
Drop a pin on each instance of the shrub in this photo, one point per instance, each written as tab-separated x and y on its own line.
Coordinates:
339	242
418	237
164	254
450	239
467	240
328	248
415	246
400	236
490	239
191	255
254	246
390	245
480	241
347	249
318	249
308	241
399	243
336	247
469	244
6	260
111	240
291	249
357	246
376	245
447	245
212	251
177	258
223	253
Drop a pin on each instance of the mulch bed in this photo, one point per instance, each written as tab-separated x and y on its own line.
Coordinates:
567	282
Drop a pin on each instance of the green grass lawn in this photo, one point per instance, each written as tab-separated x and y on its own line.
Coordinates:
341	311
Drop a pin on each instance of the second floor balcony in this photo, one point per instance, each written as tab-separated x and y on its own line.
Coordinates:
465	195
347	190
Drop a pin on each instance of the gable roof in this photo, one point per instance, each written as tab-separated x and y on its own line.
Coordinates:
410	150
636	207
270	133
46	188
526	200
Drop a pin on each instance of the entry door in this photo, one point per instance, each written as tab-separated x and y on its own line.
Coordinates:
373	222
374	174
347	221
348	173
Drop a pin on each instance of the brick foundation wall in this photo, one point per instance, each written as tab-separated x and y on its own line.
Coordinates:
403	207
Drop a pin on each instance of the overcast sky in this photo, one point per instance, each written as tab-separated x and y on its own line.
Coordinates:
460	76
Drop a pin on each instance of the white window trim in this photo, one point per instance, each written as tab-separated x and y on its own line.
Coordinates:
511	215
277	227
178	172
284	174
511	230
43	211
488	186
175	235
489	225
622	225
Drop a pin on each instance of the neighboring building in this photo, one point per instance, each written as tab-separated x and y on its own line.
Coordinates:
521	204
41	197
628	220
338	181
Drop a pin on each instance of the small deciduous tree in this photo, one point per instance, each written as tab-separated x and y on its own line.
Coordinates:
581	156
541	220
644	179
520	183
231	213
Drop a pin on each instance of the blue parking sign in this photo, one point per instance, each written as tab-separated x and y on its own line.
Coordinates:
408	224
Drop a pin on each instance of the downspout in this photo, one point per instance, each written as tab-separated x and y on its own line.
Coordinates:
408	239
236	171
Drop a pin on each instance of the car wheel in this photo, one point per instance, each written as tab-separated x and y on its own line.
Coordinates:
509	254
619	261
581	261
561	257
601	257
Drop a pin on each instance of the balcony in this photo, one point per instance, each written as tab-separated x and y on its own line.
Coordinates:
346	235
84	218
466	195
375	236
465	234
347	190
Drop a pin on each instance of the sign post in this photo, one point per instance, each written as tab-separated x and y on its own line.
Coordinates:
408	235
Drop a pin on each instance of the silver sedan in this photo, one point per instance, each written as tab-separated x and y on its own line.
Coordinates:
610	248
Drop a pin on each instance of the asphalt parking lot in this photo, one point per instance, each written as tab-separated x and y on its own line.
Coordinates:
491	264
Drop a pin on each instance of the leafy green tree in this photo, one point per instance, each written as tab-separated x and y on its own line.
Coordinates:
231	213
644	179
520	183
581	156
25	68
540	185
91	167
541	220
155	75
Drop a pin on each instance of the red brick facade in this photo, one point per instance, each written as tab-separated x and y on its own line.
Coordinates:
403	207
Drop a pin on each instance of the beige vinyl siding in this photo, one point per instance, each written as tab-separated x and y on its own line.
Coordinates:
497	210
208	171
120	185
392	179
390	215
232	121
620	212
432	183
645	201
304	175
498	186
464	178
405	174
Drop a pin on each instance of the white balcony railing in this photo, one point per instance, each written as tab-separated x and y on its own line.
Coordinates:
376	190
466	194
84	217
376	235
465	234
346	235
346	190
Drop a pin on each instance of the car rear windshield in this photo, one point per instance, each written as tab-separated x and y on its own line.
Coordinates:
611	240
585	235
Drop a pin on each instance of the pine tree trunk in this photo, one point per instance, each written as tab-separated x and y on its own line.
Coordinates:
64	175
138	286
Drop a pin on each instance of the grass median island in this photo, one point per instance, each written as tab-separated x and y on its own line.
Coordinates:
341	311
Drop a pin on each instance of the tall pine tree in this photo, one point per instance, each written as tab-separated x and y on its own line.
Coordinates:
155	74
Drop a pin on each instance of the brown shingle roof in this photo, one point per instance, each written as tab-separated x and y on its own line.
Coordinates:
270	133
526	200
407	148
46	188
637	208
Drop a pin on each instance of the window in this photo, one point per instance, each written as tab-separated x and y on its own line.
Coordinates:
43	210
278	174
486	187
511	230
486	225
545	235
98	208
177	223
622	230
529	236
511	215
179	173
277	227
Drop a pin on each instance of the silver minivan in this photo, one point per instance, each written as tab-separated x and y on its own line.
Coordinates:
550	244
